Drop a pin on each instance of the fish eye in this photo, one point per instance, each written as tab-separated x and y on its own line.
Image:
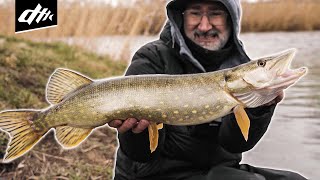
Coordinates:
261	63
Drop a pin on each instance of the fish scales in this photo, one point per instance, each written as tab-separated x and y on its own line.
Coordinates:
170	99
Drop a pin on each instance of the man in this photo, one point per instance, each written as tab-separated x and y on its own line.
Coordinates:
200	36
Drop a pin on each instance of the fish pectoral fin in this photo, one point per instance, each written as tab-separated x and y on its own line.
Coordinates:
70	137
22	134
153	136
62	82
242	120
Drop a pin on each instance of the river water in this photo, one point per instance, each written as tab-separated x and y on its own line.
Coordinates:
292	141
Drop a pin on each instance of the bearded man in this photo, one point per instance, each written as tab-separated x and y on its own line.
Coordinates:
200	36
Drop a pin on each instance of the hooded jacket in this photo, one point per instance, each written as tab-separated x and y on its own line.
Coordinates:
184	151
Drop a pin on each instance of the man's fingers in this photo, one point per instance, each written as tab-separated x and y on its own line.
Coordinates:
127	124
141	126
130	123
115	123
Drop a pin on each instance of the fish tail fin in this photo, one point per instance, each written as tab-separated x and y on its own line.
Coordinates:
23	136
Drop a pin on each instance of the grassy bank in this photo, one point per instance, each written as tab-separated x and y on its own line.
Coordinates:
87	19
24	70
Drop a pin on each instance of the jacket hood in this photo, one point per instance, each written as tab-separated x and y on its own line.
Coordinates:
175	9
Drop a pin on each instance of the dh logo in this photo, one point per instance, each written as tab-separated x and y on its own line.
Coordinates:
35	15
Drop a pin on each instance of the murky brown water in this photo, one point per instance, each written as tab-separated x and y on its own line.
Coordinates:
293	139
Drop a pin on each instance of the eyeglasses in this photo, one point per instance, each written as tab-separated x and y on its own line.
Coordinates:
215	17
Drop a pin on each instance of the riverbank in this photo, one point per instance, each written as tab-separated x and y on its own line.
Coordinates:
292	141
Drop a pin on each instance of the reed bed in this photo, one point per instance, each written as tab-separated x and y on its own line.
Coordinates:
81	18
87	19
281	15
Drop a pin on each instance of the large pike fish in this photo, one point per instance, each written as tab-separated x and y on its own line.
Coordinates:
79	104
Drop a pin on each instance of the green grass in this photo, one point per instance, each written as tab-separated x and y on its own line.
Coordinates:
25	67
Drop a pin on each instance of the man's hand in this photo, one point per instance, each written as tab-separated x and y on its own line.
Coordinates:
130	123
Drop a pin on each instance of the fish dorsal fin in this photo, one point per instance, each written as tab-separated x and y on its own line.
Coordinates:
62	82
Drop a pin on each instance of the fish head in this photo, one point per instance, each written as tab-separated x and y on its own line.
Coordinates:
260	81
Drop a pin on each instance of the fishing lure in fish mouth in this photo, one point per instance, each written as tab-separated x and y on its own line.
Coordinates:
79	104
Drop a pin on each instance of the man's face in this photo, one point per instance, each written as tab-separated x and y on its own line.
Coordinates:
205	23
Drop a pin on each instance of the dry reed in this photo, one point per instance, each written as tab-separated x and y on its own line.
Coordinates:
289	15
84	19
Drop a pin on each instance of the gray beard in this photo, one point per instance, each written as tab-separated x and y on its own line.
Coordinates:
223	39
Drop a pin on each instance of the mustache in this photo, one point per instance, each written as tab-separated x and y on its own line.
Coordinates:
210	33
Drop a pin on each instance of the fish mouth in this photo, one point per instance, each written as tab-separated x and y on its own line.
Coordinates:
283	75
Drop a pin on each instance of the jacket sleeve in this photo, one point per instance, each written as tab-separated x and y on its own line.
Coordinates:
230	136
136	146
